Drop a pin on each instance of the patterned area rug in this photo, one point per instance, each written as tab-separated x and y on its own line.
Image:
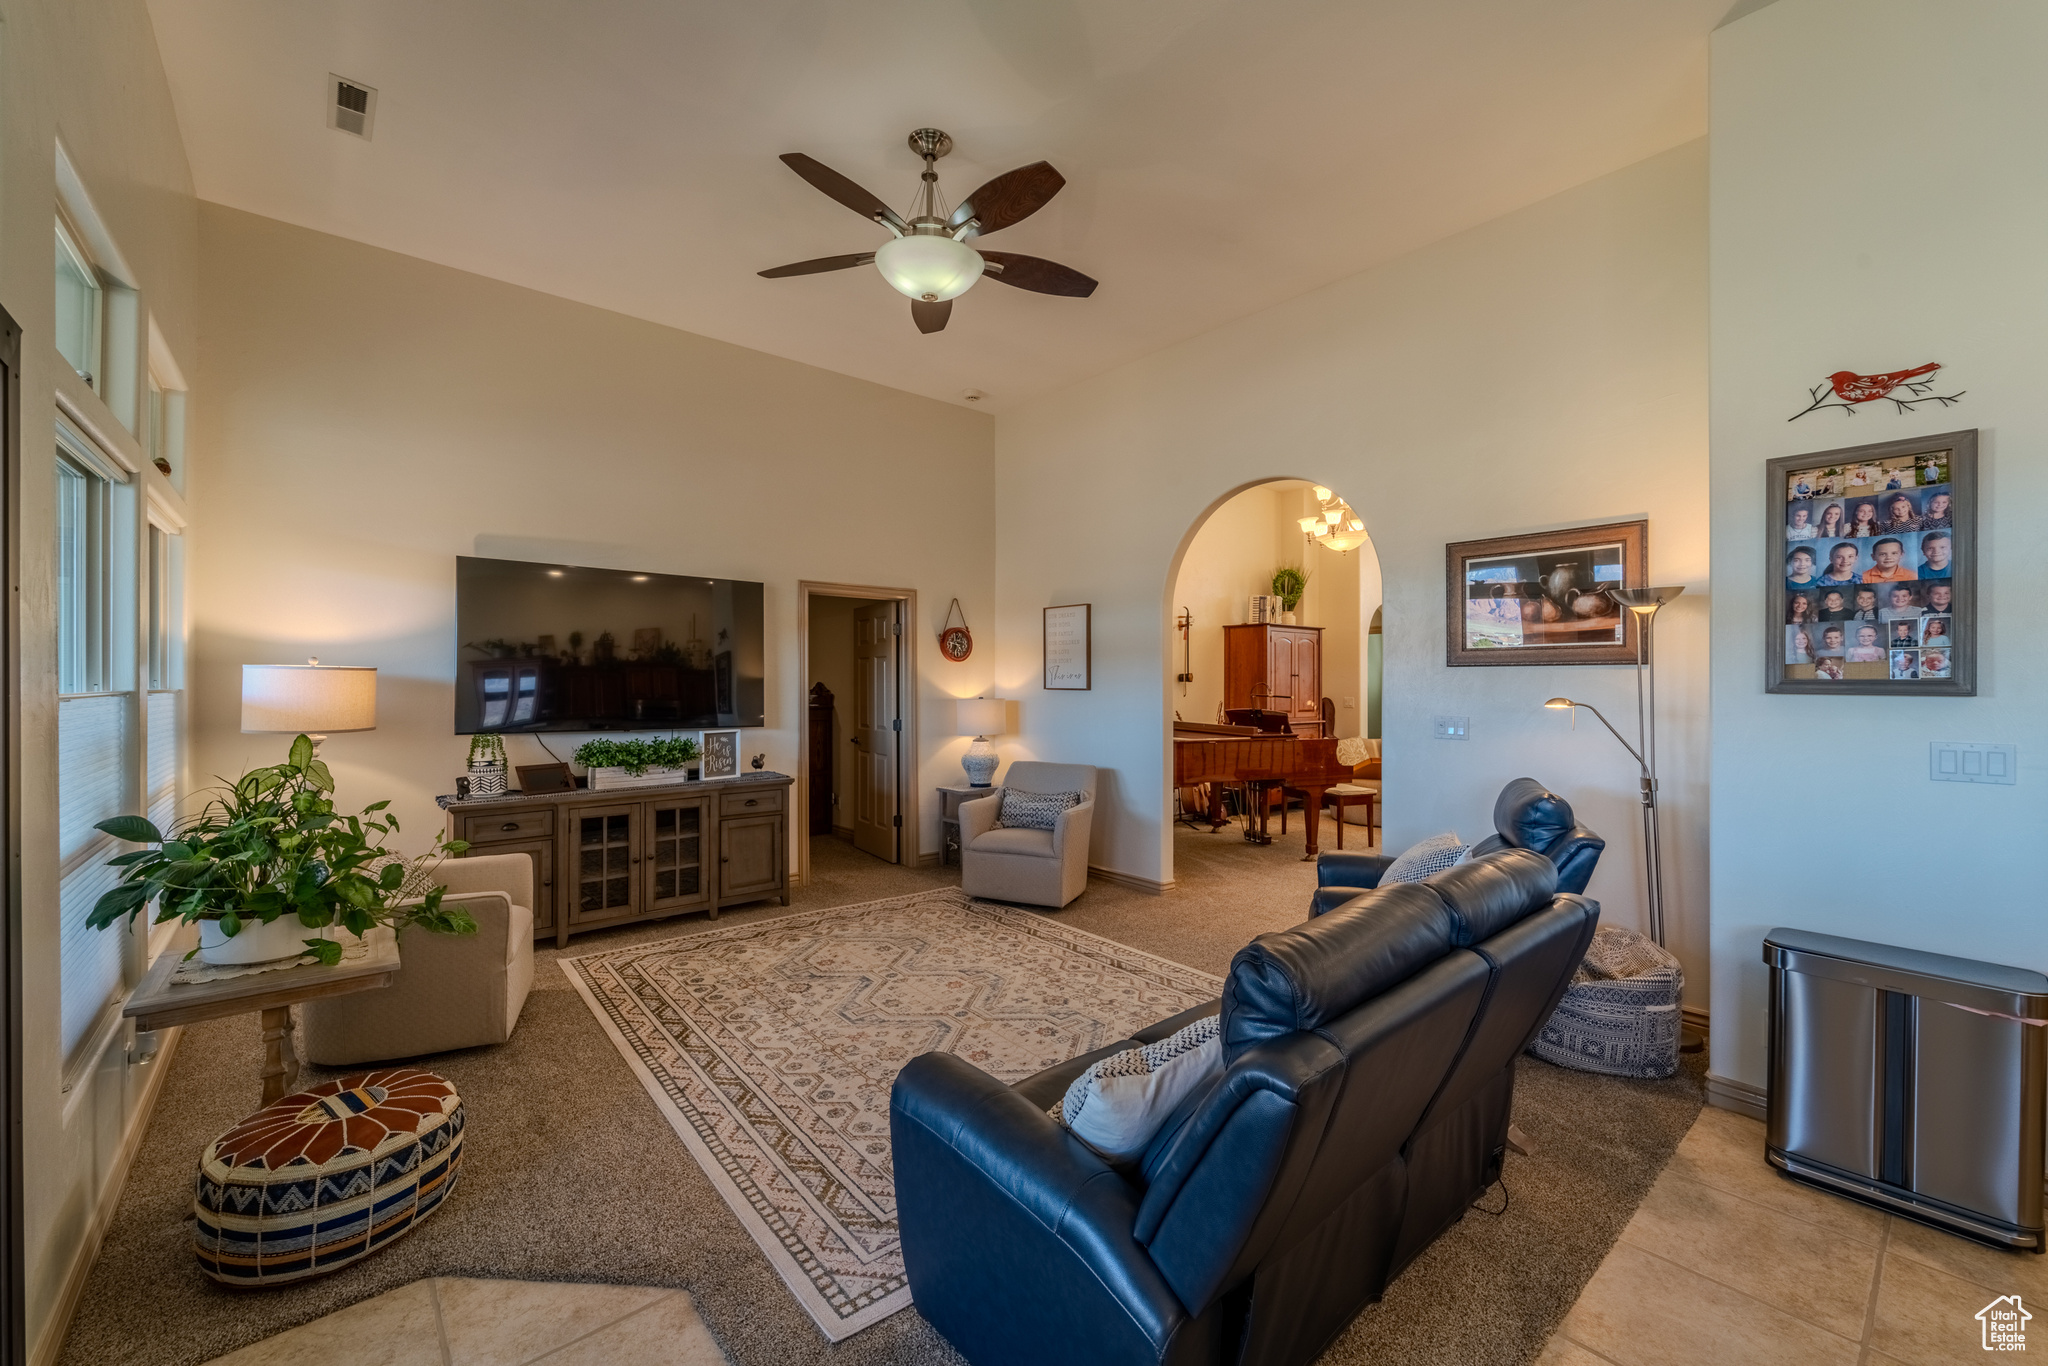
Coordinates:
771	1047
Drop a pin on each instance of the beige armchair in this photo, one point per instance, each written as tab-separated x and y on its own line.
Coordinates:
1036	867
452	990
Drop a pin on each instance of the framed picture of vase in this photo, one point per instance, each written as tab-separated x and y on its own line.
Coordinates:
1871	569
1542	598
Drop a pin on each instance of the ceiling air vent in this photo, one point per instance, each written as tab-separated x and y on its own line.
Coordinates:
351	106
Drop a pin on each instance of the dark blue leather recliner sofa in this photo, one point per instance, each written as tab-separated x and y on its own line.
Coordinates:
1370	1058
1526	815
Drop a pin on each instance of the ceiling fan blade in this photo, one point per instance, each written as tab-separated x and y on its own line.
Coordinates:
1038	275
854	197
819	266
1010	198
931	317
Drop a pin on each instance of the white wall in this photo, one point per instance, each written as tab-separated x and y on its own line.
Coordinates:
1825	258
1232	556
90	75
370	416
1542	370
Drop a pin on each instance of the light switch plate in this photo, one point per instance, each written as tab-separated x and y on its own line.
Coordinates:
1959	761
1452	727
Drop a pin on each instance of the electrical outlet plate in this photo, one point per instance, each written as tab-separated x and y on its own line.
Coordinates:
1452	727
1958	761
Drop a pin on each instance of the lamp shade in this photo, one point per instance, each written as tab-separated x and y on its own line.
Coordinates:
982	716
929	268
305	699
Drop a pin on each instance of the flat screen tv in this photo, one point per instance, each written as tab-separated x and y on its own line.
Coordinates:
546	647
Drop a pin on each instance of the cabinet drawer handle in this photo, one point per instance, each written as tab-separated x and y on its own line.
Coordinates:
751	801
509	825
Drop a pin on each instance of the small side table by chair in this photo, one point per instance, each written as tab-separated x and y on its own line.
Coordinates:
950	799
1353	794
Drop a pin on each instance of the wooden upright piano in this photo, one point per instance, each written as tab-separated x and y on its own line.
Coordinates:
1217	755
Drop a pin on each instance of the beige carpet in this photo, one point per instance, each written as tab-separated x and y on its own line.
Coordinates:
573	1174
771	1049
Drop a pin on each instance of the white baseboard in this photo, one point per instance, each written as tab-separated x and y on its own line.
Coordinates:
1131	880
1728	1094
1695	1018
50	1342
930	860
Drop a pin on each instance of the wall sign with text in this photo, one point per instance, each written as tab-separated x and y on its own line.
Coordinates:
1067	647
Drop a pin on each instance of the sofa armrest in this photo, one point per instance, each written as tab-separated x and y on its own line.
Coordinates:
1016	1237
1362	871
978	817
1323	900
1073	824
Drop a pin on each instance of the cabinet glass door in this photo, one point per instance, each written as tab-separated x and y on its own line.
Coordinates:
676	875
602	840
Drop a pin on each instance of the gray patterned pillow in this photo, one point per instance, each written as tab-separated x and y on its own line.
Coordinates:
1430	856
1118	1104
1033	810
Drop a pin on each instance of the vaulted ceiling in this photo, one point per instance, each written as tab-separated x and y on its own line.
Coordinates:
1221	155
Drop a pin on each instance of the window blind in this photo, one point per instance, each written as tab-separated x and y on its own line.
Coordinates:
93	782
163	759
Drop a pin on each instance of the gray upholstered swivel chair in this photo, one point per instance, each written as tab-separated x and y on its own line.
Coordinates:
452	990
1036	867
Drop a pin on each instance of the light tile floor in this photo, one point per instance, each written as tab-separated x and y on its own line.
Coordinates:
1726	1261
445	1321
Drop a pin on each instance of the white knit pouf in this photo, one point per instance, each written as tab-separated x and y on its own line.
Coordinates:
1620	1014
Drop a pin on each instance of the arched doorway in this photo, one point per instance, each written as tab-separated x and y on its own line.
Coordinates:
1319	667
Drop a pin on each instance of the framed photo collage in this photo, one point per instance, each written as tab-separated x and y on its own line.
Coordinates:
1873	556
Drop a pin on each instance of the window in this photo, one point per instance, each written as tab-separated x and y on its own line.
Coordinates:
159	598
98	731
81	307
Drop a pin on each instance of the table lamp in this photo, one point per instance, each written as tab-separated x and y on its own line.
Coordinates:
981	717
310	699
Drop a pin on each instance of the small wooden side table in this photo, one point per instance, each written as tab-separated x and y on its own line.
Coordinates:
950	801
159	1004
1346	794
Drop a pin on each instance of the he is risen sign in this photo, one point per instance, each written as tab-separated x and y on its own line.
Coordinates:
1067	647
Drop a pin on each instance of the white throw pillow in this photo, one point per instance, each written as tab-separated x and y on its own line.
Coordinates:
1118	1104
1432	855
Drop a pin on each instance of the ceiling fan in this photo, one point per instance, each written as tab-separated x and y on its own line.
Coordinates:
928	258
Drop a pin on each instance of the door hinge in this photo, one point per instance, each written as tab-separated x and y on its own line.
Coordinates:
896	724
899	820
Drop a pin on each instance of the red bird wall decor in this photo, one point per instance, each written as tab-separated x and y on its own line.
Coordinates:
1845	389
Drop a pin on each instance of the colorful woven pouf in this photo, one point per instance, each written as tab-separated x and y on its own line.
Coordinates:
325	1176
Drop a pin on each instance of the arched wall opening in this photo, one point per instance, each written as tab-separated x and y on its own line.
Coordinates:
1229	553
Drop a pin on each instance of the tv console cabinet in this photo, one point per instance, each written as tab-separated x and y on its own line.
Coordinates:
624	855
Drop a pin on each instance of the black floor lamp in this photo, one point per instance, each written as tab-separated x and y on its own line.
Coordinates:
1644	602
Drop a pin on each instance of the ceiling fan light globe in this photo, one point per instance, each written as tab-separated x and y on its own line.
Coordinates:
929	268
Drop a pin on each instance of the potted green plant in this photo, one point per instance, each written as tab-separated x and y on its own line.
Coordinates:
487	765
1289	583
636	763
269	870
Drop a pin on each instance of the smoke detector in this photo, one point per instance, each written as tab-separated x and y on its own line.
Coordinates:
351	106
973	395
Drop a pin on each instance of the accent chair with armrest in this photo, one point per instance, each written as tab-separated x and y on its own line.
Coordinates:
1526	815
452	990
1368	1072
1035	867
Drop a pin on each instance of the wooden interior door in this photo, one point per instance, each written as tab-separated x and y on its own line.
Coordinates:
877	731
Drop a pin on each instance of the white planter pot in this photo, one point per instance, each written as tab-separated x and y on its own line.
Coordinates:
487	780
1287	618
256	942
606	779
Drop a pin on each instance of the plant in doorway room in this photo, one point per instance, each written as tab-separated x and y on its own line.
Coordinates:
268	869
1289	583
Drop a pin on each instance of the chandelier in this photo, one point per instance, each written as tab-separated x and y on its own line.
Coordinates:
1336	526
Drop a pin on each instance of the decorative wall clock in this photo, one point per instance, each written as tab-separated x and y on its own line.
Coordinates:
956	642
